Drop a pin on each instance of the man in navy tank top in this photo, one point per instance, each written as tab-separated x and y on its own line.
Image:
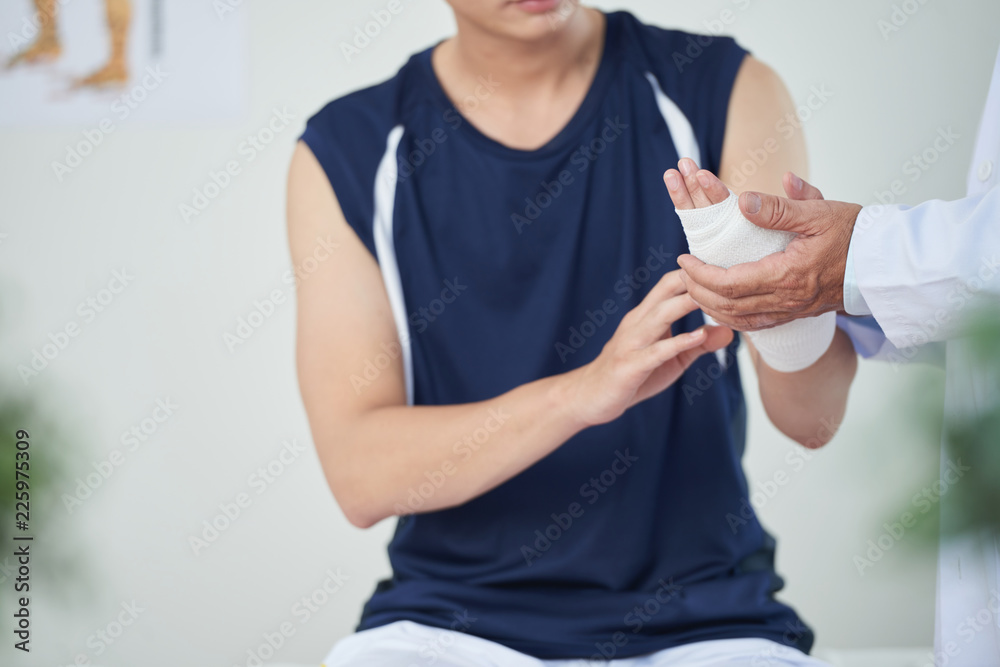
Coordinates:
500	351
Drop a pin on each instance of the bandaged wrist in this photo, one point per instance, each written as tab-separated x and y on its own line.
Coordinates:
721	236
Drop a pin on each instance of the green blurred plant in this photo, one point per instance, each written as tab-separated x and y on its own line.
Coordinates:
975	438
972	439
45	466
54	557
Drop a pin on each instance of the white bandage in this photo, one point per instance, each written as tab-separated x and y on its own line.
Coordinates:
720	235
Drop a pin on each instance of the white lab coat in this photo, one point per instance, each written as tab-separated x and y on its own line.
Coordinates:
918	271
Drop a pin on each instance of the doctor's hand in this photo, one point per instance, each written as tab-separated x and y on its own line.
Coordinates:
805	280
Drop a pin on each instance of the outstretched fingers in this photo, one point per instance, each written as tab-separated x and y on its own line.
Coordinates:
691	188
669	285
687	347
715	190
658	319
677	189
689	169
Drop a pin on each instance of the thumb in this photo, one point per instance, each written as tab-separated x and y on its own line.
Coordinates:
772	212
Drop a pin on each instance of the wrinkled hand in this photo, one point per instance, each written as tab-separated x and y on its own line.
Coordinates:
805	280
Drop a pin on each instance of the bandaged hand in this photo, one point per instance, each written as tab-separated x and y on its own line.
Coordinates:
719	234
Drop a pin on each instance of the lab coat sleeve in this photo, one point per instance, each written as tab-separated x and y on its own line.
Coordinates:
922	270
870	343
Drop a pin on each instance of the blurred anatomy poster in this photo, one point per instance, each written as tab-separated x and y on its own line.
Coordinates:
73	62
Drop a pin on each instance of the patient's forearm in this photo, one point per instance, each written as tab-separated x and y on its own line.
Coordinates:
406	459
808	405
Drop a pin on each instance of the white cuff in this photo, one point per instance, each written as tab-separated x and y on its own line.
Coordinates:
854	301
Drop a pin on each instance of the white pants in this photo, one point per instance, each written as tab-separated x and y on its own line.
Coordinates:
409	644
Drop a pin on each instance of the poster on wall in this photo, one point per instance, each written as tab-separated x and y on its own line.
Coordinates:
86	62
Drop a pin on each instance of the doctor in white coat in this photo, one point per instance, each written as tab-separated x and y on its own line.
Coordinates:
918	271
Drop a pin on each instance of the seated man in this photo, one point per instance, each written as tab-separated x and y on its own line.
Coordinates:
498	352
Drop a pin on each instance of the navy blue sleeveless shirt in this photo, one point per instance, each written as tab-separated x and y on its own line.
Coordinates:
504	266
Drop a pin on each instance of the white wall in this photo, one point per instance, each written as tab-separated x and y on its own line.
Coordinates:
162	337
